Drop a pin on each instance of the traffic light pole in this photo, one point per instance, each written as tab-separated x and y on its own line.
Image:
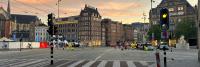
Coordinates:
164	22
52	44
51	54
51	32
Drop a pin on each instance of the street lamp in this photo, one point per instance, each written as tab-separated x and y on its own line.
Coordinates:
58	3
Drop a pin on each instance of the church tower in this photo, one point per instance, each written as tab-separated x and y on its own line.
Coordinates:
8	7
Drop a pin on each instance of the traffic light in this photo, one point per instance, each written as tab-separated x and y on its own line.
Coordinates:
164	18
52	28
50	20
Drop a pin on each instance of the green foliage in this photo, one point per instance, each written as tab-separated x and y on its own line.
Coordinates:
186	28
156	29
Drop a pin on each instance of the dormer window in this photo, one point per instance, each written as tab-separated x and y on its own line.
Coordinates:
180	8
171	9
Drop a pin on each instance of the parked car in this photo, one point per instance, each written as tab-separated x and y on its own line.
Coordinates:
162	46
150	48
75	44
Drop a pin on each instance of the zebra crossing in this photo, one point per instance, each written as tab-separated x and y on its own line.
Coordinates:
72	63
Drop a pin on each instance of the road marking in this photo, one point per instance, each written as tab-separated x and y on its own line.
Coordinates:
28	63
74	64
102	64
89	64
31	55
144	63
116	63
3	60
17	62
130	64
64	64
102	55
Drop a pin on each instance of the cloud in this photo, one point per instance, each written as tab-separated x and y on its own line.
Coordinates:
120	14
35	1
119	5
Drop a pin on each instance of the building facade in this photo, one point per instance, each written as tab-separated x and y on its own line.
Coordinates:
25	26
6	24
113	31
128	32
17	26
68	27
140	32
90	26
41	34
179	10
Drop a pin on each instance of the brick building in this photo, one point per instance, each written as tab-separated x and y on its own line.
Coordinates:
180	10
113	31
128	32
90	26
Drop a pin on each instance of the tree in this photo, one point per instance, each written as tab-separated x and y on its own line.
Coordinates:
186	28
156	29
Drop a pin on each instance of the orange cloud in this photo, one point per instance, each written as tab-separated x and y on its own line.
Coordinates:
36	1
119	5
120	14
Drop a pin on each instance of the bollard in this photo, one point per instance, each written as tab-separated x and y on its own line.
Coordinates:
199	55
157	58
51	54
165	58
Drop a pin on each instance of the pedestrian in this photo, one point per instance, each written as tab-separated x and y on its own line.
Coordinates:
4	44
29	46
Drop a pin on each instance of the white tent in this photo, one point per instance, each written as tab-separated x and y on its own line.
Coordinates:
5	39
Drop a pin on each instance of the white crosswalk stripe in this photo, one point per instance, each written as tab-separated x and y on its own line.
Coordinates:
20	62
24	64
89	64
143	63
130	64
63	64
116	63
102	64
71	63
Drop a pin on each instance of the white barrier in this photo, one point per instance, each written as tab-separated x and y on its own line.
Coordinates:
13	45
2	45
16	45
35	44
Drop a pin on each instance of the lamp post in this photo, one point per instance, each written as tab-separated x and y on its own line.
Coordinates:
58	4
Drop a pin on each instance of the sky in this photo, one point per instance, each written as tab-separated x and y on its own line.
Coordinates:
125	11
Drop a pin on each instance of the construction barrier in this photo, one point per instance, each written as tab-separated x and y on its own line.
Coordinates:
16	45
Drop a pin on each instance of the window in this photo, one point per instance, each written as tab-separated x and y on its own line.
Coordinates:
85	14
179	20
171	9
180	8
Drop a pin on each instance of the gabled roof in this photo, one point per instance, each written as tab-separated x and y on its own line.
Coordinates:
90	9
3	13
26	19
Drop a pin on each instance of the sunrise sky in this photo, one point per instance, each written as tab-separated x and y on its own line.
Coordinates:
127	11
